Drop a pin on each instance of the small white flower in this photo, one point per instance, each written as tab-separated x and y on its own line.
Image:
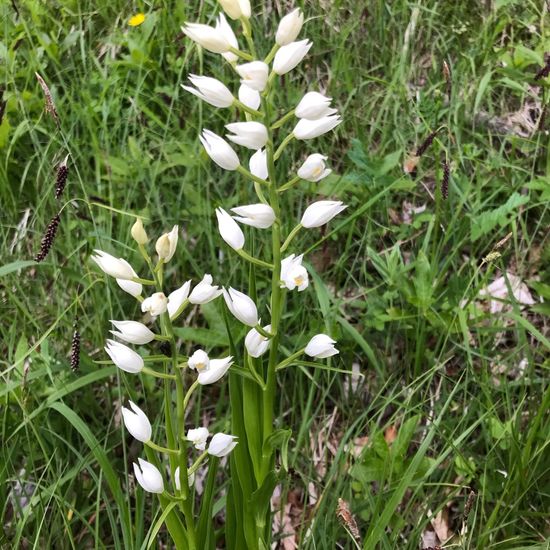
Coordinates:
176	298
115	267
148	476
204	292
256	344
321	212
309	129
211	90
252	135
156	304
166	245
199	361
258	164
207	37
287	57
198	437
314	168
132	288
293	273
258	215
221	445
241	306
251	98
219	150
177	483
132	332
123	357
321	346
138	232
254	74
216	369
236	8
289	27
137	423
225	30
229	230
314	106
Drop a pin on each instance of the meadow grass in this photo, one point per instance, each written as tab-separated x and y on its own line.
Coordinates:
447	397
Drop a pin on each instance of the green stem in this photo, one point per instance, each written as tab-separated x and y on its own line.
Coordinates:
282	120
281	147
197	463
253	260
180	310
291	236
163	375
289	359
246	108
149	282
160	449
271	54
190	391
242	170
162	338
289	184
241	54
263	332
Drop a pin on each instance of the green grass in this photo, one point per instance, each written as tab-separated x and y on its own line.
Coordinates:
392	292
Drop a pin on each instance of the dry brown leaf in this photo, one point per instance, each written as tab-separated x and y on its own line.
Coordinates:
441	525
390	434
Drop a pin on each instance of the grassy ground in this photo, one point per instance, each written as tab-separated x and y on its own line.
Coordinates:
448	397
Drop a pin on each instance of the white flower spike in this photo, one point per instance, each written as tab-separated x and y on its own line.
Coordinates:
254	74
241	306
207	37
258	215
252	135
221	445
205	292
236	8
258	164
314	106
230	231
256	344
115	267
219	150
176	298
287	57
148	476
123	357
166	245
225	30
198	437
314	168
155	305
210	90
216	369
137	423
309	129
132	332
289	27
251	98
321	346
293	273
321	212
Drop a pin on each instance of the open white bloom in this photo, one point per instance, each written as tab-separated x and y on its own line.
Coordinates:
211	90
204	292
230	231
258	164
177	483
293	273
321	346
216	369
207	37
241	306
199	361
219	150
130	287
254	74
148	476
314	168
225	30
123	357
132	332
176	298
287	57
251	98
252	135
314	106
289	27
309	129
166	245
137	423
256	344
138	232
258	215
198	437
222	445
156	304
115	267
321	212
236	8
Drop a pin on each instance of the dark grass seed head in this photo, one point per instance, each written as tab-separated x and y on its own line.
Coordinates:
48	238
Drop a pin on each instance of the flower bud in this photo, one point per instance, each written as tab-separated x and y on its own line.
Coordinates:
321	212
198	437
138	232
230	232
256	344
204	292
123	357
199	361
254	74
130	287
176	298
293	273
115	267
219	150
148	476
251	98
236	8
221	445
258	164
287	57
289	27
258	215
252	135
321	346
166	245
215	370
137	423
241	306
314	168
177	483
207	37
210	90
309	129
132	332
225	30
314	106
155	305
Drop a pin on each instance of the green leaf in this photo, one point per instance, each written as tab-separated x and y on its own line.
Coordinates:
159	523
278	439
15	266
260	498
